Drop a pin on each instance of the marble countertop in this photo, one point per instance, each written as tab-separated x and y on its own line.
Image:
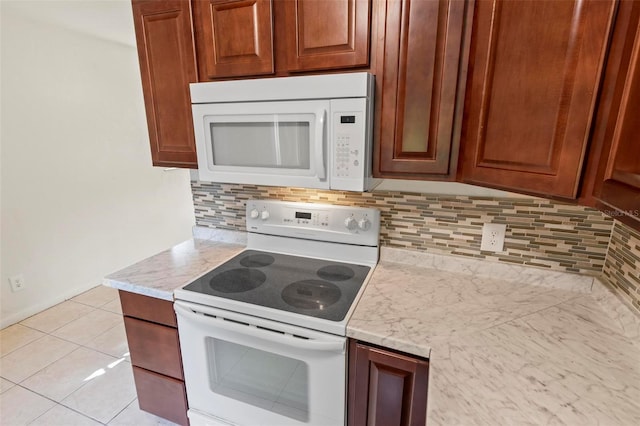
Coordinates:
507	344
158	276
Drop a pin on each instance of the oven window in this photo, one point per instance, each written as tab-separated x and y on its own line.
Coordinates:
262	379
273	144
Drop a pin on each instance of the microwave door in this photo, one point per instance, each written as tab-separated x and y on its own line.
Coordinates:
270	143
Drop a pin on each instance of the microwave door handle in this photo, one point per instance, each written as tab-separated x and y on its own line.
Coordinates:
252	331
320	145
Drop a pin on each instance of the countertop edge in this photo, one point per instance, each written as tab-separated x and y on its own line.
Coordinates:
389	342
159	275
219	235
139	289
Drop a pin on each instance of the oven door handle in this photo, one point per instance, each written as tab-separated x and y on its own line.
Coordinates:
337	345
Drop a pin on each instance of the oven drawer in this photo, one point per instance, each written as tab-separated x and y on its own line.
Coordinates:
147	308
161	395
154	347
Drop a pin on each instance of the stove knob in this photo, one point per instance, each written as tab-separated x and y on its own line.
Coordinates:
364	224
350	223
264	215
254	214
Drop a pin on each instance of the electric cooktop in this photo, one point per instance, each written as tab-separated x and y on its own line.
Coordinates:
308	286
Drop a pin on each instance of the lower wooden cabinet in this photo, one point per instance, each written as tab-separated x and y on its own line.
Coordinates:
163	396
154	347
386	388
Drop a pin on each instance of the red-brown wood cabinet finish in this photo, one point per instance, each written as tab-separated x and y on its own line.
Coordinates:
386	388
535	70
154	348
234	38
421	73
323	35
613	174
164	36
161	395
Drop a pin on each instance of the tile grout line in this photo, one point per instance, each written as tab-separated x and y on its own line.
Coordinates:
46	333
56	404
78	346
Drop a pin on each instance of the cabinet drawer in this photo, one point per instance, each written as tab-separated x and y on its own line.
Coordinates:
161	395
154	347
148	308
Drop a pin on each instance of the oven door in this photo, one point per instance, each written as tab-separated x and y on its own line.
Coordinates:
264	143
244	370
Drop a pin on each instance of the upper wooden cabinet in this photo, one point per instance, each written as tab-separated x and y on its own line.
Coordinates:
234	38
535	70
325	34
421	73
167	63
245	38
613	175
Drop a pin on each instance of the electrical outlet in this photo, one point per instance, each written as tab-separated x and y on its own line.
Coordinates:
493	237
17	282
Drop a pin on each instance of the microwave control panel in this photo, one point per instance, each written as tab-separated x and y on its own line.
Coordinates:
349	135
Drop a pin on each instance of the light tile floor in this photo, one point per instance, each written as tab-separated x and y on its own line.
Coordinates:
69	365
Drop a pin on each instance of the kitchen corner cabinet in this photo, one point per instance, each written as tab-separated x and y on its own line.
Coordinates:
252	38
166	54
616	140
534	72
422	77
386	388
154	348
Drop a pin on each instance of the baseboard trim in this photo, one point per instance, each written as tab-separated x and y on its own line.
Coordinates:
34	309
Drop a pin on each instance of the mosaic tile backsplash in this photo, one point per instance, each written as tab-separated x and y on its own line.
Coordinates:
622	265
540	232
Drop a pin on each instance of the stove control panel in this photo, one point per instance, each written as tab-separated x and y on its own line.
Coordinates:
324	222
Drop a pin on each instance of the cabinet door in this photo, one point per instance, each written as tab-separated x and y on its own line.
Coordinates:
234	38
161	395
535	70
386	388
618	181
326	34
422	58
168	65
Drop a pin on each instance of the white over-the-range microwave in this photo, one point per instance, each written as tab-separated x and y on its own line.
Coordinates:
308	131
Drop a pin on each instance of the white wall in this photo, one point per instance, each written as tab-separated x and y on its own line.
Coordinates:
79	197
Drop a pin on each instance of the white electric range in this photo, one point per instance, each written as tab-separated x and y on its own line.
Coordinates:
263	335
